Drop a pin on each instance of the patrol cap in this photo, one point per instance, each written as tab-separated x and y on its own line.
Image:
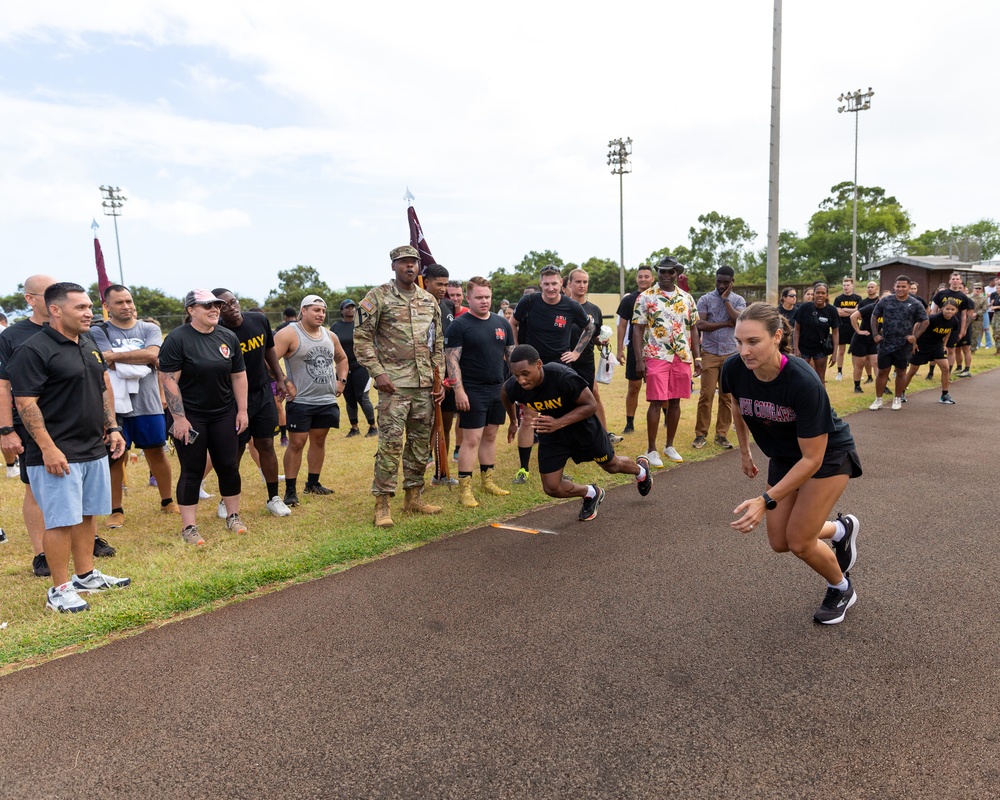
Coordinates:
345	303
977	286
312	300
201	297
406	251
669	262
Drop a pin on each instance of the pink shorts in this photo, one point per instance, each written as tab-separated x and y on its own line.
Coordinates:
667	380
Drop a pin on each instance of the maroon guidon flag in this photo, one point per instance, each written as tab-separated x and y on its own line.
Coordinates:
417	236
102	274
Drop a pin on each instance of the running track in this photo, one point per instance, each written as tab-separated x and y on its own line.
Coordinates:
651	653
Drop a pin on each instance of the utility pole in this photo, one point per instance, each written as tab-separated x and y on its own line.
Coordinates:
113	200
854	103
618	153
773	230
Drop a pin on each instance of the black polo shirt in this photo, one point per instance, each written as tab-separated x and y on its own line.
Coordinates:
15	335
67	377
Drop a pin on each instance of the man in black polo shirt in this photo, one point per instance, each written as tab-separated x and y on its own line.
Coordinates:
60	385
550	316
13	436
257	345
626	353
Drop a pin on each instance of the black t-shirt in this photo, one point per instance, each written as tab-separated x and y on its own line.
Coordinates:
921	300
788	313
626	308
961	300
556	396
12	338
866	307
484	343
794	405
345	332
447	314
849	301
937	332
585	365
815	326
284	325
550	325
206	361
67	377
255	339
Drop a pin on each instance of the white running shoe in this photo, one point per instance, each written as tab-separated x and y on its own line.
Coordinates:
897	404
877	405
672	454
97	581
654	459
221	512
840	376
13	471
278	508
202	494
65	599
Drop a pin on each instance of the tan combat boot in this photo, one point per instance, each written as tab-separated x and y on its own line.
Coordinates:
413	503
489	485
468	498
382	518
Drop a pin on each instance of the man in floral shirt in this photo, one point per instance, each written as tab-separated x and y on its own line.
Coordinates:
666	344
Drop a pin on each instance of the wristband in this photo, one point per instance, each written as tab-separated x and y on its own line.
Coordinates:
6	430
113	430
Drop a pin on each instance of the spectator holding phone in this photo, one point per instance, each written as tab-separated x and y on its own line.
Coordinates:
205	383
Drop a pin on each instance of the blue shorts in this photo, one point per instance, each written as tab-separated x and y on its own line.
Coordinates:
147	431
65	500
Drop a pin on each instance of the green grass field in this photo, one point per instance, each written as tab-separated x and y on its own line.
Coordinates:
325	534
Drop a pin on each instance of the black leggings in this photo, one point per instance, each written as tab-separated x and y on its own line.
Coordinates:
355	395
216	435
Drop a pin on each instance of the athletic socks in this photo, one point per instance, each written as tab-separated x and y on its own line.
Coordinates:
591	492
842	586
167	502
485	467
290	485
312	478
272	489
629	422
857	384
840	531
642	474
118	510
464	474
524	454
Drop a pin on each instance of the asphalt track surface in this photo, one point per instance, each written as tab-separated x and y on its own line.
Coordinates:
651	653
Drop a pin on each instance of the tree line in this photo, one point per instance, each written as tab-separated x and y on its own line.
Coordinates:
823	253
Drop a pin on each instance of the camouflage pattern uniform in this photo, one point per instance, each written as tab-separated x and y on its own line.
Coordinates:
399	336
980	303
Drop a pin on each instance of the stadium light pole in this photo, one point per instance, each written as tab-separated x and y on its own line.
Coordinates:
618	153
855	102
112	202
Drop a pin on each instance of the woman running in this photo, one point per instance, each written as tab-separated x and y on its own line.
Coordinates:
784	405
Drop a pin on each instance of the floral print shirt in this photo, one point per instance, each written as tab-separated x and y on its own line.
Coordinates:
669	319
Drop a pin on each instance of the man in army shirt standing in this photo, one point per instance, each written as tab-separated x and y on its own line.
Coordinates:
399	342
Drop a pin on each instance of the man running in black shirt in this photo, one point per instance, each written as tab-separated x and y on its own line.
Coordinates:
560	407
897	322
550	317
257	345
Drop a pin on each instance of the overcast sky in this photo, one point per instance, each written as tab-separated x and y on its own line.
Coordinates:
250	137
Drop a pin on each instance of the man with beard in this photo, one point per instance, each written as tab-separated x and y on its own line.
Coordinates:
311	352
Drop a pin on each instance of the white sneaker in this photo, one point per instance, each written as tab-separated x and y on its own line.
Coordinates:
654	459
896	404
876	405
672	454
97	581
840	376
222	513
202	494
13	472
277	507
64	599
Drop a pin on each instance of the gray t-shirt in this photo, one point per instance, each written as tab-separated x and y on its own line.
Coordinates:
138	337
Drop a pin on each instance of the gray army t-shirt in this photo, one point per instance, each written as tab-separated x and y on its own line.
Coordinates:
138	337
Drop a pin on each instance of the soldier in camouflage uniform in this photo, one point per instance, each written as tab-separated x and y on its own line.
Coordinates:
980	305
399	342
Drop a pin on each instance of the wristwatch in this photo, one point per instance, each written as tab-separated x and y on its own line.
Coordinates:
6	429
769	504
113	430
